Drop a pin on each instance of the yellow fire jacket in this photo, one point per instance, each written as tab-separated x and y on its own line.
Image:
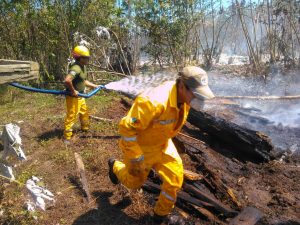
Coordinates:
152	120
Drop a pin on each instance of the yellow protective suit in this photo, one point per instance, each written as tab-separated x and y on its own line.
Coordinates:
75	106
147	130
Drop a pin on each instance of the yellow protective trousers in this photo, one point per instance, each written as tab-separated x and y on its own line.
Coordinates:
75	106
169	168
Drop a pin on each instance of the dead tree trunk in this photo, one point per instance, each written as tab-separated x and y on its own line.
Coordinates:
253	145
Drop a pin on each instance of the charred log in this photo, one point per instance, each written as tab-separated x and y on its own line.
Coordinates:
220	207
199	198
211	178
152	187
252	145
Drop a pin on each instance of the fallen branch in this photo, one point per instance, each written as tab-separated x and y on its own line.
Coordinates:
221	101
81	172
220	207
192	138
262	97
190	175
104	80
206	213
100	118
150	186
107	71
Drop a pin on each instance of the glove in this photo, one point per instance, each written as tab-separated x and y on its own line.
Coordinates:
137	166
74	93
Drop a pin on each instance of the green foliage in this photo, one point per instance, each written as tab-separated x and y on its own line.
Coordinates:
167	26
171	32
41	30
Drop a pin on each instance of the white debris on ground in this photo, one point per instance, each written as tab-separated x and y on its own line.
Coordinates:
38	193
12	143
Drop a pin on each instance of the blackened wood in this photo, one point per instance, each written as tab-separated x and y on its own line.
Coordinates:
212	179
252	145
249	216
150	186
208	215
220	207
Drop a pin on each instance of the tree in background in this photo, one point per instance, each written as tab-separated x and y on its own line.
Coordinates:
41	30
171	33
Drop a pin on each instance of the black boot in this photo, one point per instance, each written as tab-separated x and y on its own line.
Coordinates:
113	178
158	220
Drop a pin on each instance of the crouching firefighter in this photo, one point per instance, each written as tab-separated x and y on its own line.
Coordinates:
155	117
75	82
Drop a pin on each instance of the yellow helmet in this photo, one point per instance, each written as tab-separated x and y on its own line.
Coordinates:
80	51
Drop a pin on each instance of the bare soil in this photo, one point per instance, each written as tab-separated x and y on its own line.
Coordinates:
273	188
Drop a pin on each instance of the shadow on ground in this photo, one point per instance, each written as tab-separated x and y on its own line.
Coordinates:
109	214
103	137
55	133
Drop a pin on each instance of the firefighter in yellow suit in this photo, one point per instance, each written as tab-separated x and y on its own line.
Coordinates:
155	117
76	81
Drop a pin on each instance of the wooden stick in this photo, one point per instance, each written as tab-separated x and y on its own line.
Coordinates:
148	185
108	71
205	197
209	215
100	118
194	139
81	172
192	176
263	97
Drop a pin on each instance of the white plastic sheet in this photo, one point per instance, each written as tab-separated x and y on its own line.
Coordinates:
12	142
6	171
39	194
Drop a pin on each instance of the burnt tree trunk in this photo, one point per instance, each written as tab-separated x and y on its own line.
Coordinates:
253	145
